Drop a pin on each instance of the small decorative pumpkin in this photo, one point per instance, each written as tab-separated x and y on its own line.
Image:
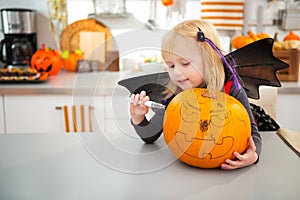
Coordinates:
70	59
167	2
204	131
241	41
253	36
263	35
291	36
46	60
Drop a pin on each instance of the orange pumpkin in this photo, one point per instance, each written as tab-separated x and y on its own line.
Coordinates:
263	35
204	131
167	2
241	41
46	60
291	36
253	36
70	61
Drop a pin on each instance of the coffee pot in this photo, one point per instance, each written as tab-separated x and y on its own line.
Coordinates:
19	43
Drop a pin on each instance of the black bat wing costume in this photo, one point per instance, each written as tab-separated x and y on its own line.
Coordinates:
256	65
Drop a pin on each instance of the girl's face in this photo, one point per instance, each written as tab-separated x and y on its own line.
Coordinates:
186	71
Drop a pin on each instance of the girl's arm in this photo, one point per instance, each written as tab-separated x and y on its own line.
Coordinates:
253	150
242	97
150	131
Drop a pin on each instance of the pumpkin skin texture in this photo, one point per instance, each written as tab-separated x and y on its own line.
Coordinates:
70	63
241	41
204	131
70	59
263	35
47	61
291	36
167	2
253	36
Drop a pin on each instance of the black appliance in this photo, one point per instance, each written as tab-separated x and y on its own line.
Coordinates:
20	40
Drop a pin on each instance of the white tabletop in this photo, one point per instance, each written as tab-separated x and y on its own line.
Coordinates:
73	166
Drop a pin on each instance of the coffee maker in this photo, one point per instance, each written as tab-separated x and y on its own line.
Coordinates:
20	40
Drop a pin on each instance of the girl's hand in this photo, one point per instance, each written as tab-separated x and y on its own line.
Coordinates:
248	158
138	111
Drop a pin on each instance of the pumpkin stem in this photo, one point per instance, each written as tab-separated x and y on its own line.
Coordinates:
253	35
276	37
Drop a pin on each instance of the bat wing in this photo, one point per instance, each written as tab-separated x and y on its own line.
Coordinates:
154	85
256	65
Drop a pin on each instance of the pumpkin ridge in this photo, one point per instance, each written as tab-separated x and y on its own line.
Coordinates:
204	154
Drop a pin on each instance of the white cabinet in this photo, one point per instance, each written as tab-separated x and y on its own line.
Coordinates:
2	122
52	113
106	113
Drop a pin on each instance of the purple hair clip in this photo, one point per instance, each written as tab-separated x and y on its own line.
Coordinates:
201	37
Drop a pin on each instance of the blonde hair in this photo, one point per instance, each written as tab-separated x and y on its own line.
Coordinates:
185	35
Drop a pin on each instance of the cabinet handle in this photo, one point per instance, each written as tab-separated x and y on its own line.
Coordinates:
66	117
74	118
58	107
82	118
90	118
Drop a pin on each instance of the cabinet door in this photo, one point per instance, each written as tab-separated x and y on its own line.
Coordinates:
49	113
2	125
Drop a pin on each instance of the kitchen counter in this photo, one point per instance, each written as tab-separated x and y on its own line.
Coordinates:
289	88
100	83
88	166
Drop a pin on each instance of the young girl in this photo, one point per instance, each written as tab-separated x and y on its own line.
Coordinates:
191	52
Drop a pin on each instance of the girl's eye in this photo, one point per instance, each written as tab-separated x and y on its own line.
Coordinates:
171	66
185	64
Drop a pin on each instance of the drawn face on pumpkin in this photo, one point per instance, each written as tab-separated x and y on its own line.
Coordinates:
204	131
47	61
43	62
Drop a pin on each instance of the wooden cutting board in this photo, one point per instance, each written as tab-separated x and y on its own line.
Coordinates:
70	36
93	45
291	138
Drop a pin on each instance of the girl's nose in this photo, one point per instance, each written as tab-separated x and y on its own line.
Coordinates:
178	70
